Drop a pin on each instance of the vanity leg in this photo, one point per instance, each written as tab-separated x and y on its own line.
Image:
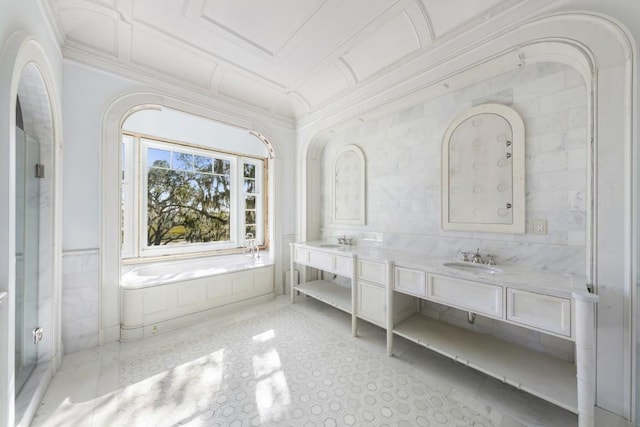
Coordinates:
390	313
586	360
354	297
292	273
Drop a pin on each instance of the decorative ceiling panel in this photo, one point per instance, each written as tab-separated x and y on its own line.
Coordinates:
243	88
447	15
390	43
267	25
167	57
323	85
289	58
90	27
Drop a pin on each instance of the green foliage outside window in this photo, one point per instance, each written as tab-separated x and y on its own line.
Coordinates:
188	198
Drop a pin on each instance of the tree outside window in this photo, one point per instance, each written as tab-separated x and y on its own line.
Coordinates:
192	198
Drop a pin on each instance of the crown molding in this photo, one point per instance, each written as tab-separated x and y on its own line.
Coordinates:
393	88
177	88
53	25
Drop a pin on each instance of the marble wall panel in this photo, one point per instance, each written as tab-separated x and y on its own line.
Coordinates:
80	299
402	151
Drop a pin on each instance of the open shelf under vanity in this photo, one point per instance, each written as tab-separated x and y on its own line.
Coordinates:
539	374
328	292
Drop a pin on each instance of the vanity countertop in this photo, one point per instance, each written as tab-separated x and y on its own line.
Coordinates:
558	284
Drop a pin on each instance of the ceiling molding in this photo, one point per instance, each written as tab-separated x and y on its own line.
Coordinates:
388	86
52	23
425	14
298	73
165	86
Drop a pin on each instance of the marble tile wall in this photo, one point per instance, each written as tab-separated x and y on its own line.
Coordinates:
80	300
402	151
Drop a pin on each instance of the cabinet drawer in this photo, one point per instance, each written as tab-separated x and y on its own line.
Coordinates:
372	271
410	281
342	265
477	297
300	255
321	260
543	312
372	303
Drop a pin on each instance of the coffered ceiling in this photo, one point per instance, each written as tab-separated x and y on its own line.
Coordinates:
286	58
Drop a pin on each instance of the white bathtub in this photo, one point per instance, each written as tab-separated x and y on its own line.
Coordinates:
163	296
166	272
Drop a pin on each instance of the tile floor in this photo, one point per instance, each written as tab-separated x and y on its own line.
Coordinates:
281	364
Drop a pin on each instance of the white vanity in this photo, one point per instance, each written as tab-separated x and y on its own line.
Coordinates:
551	303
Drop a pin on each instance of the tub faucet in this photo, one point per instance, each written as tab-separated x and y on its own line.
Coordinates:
250	242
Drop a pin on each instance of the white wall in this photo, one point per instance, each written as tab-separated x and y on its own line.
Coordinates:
85	102
86	93
611	80
403	155
179	126
403	186
24	38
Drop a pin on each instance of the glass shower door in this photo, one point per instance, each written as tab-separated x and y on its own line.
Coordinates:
27	257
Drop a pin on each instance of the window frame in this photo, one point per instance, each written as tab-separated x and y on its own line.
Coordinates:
134	170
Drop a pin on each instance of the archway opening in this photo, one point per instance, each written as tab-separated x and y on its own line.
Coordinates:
34	257
191	186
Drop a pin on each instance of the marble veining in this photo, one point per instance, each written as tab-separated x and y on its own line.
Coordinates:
80	296
403	172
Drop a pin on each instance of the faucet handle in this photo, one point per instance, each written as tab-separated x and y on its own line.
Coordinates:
463	256
491	259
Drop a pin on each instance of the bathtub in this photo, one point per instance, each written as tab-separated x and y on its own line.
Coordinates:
163	296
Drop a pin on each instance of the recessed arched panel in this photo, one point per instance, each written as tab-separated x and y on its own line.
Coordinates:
483	171
348	185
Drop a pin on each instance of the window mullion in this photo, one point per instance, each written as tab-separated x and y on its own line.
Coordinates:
191	176
139	199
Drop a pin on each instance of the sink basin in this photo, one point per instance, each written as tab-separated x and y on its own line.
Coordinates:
473	268
330	245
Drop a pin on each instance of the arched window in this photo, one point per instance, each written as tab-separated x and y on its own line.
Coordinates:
190	185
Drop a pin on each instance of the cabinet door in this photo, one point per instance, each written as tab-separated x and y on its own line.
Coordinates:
372	304
372	271
481	298
544	312
342	265
321	260
410	281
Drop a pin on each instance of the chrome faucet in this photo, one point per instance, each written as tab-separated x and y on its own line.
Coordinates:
477	258
344	240
463	256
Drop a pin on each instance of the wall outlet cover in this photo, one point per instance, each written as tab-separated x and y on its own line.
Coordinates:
539	226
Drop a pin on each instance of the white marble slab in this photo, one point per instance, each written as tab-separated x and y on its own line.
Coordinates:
564	285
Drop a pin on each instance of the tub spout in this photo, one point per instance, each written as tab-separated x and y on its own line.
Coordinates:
250	241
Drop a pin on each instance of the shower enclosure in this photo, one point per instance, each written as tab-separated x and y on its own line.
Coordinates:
27	335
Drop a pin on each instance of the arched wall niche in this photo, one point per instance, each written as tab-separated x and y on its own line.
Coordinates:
27	67
601	50
115	115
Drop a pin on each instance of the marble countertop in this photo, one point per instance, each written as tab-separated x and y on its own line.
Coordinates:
547	282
